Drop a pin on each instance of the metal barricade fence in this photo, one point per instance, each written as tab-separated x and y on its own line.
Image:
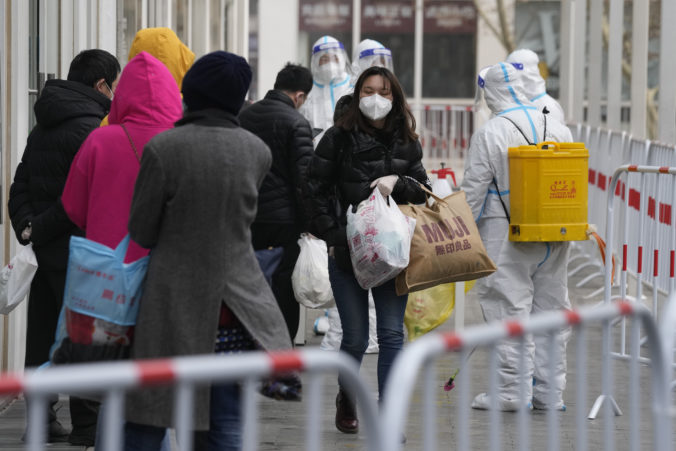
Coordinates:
420	357
445	132
116	378
648	235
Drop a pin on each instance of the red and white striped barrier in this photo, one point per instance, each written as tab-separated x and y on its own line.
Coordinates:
422	354
114	379
445	131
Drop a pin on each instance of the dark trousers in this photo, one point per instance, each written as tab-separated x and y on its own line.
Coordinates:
286	236
44	306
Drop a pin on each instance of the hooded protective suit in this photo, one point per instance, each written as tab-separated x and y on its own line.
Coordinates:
370	53
531	277
331	80
534	85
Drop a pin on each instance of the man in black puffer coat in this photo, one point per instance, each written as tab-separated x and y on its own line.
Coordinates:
281	216
66	112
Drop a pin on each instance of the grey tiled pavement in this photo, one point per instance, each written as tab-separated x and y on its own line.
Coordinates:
282	424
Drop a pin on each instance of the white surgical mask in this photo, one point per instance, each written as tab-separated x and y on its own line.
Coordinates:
375	107
328	72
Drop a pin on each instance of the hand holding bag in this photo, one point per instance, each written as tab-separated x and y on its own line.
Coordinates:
310	277
101	302
446	246
379	239
16	278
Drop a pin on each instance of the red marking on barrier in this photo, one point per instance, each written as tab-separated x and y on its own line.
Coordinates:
601	181
514	329
640	260
448	108
624	186
10	384
632	168
154	372
592	176
573	317
452	341
427	107
618	188
434	142
444	144
468	108
624	257
422	142
656	261
671	263
651	207
464	143
665	213
664	169
283	362
634	199
625	308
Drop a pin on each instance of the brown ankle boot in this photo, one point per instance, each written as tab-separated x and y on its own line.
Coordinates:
346	414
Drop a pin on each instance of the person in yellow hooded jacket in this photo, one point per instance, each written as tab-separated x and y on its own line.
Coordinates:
163	44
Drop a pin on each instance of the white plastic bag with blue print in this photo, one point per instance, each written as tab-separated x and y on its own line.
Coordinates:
379	239
100	304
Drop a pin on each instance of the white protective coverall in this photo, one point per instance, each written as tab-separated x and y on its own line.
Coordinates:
369	53
331	80
531	276
534	85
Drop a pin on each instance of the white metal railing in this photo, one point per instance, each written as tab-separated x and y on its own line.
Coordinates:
421	357
116	378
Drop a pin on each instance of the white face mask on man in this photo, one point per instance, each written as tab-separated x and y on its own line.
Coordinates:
375	107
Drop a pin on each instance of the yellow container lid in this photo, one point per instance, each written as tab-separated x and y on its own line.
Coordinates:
548	149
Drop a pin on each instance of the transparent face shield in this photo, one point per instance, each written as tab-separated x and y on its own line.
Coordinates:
329	62
375	57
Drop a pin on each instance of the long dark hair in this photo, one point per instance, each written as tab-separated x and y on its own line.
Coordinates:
399	121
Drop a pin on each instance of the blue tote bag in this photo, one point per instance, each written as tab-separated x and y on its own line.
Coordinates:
100	304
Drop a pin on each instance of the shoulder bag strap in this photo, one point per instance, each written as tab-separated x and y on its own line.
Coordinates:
504	207
521	131
131	142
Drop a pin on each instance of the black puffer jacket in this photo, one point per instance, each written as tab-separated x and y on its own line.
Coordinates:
66	113
340	175
289	136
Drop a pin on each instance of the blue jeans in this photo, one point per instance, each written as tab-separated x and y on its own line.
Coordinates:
352	303
224	432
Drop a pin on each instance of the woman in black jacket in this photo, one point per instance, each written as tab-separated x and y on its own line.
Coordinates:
373	144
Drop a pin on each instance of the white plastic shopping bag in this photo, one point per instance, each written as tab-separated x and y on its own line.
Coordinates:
310	277
379	238
16	278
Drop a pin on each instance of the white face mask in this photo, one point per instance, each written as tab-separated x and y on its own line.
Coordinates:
375	107
328	72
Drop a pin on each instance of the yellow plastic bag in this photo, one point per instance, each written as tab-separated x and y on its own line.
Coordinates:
428	309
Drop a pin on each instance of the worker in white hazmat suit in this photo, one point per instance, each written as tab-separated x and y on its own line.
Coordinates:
534	85
331	80
531	276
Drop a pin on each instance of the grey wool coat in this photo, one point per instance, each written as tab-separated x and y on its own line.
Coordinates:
194	200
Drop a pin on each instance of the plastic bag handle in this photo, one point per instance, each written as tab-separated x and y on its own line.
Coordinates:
121	249
431	194
549	143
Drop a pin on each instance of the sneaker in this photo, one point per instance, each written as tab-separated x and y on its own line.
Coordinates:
483	402
539	405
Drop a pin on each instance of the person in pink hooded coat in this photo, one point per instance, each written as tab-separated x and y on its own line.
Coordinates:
100	184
